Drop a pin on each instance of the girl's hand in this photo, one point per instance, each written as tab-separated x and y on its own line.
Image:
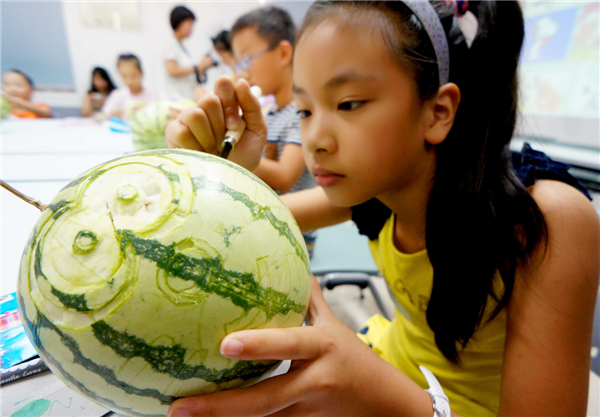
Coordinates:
118	113
333	373
203	128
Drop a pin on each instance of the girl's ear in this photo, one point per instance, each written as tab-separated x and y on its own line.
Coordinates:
440	113
285	52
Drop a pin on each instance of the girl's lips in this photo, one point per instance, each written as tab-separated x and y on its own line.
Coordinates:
328	180
325	178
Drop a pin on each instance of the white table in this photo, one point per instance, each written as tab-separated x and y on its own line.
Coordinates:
39	157
61	136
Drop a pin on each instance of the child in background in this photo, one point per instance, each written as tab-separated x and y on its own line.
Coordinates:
222	45
119	102
17	88
407	113
262	41
101	87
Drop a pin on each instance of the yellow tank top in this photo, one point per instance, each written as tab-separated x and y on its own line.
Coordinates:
407	341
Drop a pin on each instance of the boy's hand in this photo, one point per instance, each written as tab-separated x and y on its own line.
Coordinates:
203	128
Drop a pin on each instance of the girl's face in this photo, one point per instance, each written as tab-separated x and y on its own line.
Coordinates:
99	82
131	75
361	123
16	85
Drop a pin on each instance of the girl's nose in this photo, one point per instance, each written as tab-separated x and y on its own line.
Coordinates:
319	135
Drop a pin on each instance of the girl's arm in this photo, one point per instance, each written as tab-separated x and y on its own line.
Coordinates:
550	314
86	106
175	70
284	173
28	105
312	209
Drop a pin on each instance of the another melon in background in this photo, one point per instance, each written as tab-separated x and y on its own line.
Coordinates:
148	124
5	108
133	108
140	267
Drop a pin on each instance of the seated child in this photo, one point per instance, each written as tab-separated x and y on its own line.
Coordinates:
262	42
124	101
17	88
96	96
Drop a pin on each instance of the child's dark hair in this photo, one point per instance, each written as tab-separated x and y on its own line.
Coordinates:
481	221
130	58
104	74
222	42
180	14
22	74
271	23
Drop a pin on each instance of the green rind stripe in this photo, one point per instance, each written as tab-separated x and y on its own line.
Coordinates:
210	158
74	301
170	359
172	176
210	276
258	213
59	204
107	374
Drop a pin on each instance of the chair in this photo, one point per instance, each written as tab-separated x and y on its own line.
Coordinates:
342	257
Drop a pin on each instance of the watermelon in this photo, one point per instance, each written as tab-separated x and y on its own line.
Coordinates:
149	123
140	267
5	108
133	108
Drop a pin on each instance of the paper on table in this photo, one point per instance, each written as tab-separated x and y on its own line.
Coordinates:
56	400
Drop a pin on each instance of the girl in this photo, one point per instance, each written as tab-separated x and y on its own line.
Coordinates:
17	89
127	100
407	113
101	87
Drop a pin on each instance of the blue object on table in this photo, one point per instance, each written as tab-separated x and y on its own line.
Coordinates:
119	126
15	347
343	257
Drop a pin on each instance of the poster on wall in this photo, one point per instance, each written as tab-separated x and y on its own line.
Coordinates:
116	16
560	71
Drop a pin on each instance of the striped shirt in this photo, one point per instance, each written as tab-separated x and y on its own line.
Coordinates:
283	126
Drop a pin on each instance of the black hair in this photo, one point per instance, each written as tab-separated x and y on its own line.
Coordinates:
481	220
104	74
179	14
130	58
222	41
22	74
271	23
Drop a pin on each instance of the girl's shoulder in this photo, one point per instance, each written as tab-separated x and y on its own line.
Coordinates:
563	204
571	255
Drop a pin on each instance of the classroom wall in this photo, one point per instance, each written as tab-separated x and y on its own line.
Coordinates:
90	47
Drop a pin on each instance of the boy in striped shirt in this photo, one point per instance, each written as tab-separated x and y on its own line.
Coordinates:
262	42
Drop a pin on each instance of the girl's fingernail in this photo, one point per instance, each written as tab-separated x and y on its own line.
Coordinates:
181	412
232	123
231	347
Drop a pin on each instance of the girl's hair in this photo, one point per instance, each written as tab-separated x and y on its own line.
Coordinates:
129	58
222	41
481	220
104	74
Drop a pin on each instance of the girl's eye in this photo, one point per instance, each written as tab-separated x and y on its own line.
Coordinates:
303	114
350	105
